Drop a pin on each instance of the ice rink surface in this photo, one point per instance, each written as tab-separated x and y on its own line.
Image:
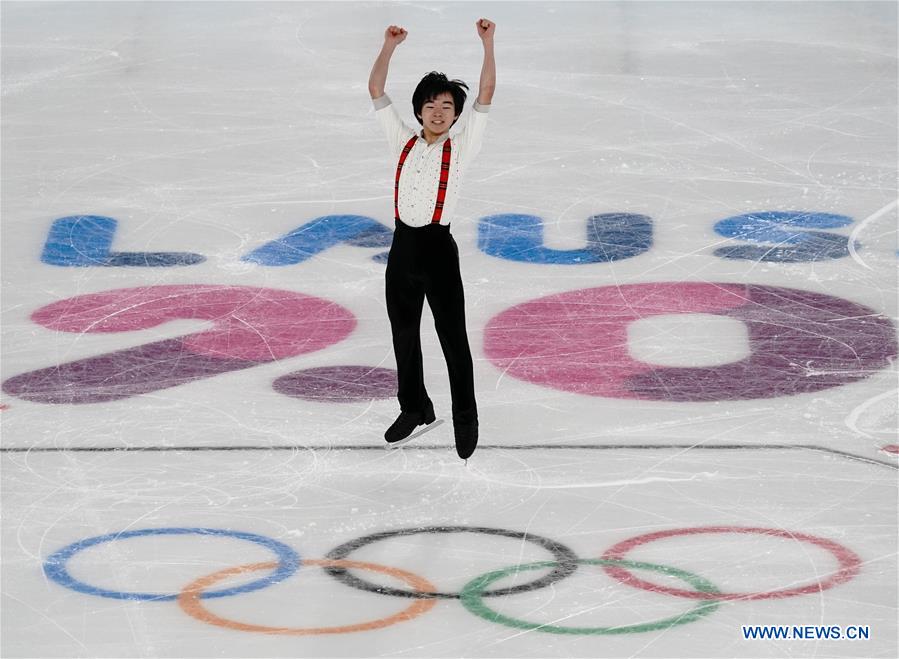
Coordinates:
679	251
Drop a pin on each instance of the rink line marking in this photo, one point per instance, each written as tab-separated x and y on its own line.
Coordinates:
488	447
853	237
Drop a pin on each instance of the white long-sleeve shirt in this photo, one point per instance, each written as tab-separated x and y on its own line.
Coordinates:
421	171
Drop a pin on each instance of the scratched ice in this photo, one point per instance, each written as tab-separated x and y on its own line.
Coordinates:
679	250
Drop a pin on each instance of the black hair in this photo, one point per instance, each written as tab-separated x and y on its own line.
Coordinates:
434	84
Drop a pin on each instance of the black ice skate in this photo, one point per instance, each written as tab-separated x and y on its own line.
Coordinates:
466	433
398	433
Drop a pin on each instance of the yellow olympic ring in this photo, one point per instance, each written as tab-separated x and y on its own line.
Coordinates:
190	601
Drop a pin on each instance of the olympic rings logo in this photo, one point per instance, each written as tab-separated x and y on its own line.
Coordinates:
473	595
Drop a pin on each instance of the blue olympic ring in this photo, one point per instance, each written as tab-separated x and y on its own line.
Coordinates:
55	565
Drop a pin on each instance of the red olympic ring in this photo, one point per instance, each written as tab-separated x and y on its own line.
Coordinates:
189	599
848	560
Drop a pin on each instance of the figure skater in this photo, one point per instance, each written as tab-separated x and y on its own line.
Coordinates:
424	259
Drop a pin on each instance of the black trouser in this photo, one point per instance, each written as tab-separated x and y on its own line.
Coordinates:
424	263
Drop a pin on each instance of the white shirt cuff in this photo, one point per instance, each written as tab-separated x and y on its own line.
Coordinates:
381	102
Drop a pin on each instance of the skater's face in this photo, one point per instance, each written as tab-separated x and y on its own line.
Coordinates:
438	114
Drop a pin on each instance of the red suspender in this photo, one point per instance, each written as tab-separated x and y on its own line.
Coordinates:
399	170
444	177
441	187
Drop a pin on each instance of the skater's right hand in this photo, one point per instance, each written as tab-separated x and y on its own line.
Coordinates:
394	35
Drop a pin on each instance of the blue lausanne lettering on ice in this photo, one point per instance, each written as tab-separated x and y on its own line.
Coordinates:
783	236
776	236
320	234
610	237
86	240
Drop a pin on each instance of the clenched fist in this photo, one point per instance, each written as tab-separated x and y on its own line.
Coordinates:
395	35
486	28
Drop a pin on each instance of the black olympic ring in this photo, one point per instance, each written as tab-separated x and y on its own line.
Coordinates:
566	558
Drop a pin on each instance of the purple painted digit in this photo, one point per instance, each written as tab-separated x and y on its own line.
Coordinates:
799	341
339	384
251	326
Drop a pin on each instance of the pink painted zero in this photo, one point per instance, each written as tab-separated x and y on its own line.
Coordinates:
577	341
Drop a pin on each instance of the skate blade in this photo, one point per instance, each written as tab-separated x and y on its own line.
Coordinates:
418	433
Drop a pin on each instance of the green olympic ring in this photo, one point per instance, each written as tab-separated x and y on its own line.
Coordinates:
472	599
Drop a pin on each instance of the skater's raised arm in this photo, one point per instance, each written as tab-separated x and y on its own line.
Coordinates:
487	85
393	37
395	129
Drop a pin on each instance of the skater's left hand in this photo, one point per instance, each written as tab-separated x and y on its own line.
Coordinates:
485	29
